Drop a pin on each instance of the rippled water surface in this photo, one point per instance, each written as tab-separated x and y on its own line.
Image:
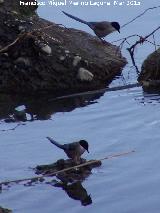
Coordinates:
112	123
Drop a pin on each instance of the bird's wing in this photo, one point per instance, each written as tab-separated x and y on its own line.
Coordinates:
70	146
99	25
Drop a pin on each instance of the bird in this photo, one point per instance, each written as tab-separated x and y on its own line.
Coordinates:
73	150
101	29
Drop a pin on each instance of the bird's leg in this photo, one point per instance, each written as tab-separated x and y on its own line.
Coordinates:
77	160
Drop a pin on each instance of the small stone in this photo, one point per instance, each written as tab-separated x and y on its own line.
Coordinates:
84	74
62	58
145	83
22	21
86	62
76	60
47	49
1	1
6	54
67	51
22	60
14	12
20	108
21	28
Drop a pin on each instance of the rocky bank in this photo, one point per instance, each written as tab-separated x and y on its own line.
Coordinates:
38	56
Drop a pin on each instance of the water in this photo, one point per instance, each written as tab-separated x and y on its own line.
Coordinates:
115	122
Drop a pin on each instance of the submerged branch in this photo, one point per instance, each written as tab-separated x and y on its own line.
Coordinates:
129	86
66	169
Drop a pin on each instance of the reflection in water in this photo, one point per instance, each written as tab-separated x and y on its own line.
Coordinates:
43	109
149	98
71	178
76	191
40	108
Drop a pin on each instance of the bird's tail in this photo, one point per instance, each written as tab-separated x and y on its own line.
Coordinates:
55	143
75	18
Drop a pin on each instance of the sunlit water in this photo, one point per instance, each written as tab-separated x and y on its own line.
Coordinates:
117	122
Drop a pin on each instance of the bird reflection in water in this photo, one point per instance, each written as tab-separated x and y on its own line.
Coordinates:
76	191
70	180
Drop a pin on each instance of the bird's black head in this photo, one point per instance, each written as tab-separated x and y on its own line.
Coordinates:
116	26
84	144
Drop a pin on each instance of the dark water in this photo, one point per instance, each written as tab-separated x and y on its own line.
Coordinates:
115	122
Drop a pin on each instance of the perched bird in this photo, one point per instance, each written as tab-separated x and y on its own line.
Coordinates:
101	29
73	150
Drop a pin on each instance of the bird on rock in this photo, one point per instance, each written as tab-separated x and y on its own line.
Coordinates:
73	150
101	29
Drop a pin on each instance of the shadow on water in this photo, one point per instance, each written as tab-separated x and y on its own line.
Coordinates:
14	109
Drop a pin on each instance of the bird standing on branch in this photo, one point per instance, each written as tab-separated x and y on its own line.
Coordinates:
101	29
73	150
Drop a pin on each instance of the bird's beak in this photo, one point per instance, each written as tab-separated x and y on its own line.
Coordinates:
87	151
118	31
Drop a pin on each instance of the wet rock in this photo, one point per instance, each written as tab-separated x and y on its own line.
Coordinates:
52	67
20	116
22	29
71	175
2	210
150	72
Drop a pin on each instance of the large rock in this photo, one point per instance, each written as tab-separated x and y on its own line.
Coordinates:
2	210
150	72
45	57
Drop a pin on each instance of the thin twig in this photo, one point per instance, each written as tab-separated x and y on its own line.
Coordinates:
19	37
122	39
67	169
154	42
141	40
151	8
5	49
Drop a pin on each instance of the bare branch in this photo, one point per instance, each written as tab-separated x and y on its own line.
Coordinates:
151	8
5	49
